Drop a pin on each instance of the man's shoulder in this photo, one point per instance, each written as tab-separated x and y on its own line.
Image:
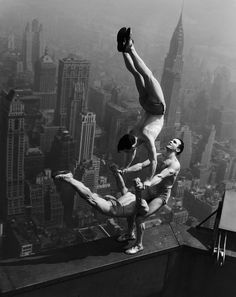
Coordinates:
174	163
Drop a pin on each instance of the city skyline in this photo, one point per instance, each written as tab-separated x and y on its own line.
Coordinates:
60	120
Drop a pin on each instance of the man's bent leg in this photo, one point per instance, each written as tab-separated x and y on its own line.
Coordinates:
141	204
129	234
154	206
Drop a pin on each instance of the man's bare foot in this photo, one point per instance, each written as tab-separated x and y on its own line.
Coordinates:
63	175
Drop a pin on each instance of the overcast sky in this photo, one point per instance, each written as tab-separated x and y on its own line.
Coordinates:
207	24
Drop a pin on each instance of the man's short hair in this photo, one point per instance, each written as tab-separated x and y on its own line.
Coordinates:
181	146
126	142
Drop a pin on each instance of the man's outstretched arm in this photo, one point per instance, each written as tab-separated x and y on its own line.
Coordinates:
136	167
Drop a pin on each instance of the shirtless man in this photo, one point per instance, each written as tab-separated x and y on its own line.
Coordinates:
158	190
125	206
151	99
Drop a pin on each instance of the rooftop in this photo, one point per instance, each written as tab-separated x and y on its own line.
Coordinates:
172	258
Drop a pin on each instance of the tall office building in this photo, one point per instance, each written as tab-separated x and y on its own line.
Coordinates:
47	137
85	137
71	71
78	105
12	139
98	99
33	44
205	170
37	41
172	72
45	74
34	163
62	152
27	49
45	81
206	156
116	125
186	155
88	173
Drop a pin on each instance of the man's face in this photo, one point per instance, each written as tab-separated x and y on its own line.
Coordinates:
174	144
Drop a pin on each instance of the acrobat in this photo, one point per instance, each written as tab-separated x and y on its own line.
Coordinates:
151	99
158	190
126	206
135	207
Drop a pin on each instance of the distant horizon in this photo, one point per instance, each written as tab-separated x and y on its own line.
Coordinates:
208	23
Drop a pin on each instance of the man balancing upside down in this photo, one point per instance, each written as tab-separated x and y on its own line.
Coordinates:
131	206
157	191
151	99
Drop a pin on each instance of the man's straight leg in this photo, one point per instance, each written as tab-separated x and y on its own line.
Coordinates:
101	204
139	80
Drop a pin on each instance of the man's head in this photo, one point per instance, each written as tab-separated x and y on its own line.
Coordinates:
176	145
127	143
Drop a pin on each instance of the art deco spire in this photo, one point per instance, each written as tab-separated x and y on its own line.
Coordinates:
177	40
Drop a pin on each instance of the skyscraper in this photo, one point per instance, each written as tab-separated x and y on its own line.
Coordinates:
45	81
45	74
37	41
62	151
185	157
171	77
27	49
12	139
98	99
33	44
85	137
116	125
71	70
205	169
206	156
77	106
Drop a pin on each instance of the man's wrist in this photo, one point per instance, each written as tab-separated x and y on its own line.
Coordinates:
124	170
147	183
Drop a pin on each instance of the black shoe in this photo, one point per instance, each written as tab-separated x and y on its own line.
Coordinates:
121	39
128	39
128	35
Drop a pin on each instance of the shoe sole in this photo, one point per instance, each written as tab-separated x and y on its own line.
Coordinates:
120	39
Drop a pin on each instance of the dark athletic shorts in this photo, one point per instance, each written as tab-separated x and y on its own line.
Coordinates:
164	195
154	107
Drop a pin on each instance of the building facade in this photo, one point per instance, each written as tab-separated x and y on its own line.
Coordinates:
85	137
12	137
172	73
71	71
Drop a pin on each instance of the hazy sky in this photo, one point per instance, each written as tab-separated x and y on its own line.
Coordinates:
209	25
